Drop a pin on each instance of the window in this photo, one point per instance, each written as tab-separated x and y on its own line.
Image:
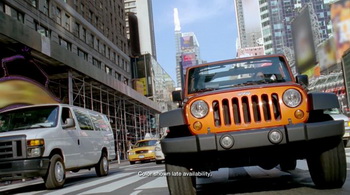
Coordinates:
33	3
108	70
58	15
82	7
44	31
91	40
97	46
99	123
66	113
96	63
46	7
118	76
82	54
83	35
126	81
90	16
66	22
76	30
64	43
103	50
108	53
84	120
14	13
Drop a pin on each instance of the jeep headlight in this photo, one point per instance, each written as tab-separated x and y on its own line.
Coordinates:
131	153
291	98
199	109
35	148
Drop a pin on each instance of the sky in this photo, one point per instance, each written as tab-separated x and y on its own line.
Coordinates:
212	21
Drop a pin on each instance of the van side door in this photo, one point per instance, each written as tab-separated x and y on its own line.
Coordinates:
90	144
70	143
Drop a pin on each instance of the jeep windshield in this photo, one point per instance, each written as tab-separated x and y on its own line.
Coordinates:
238	73
29	118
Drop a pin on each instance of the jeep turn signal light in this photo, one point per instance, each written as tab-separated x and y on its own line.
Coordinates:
299	114
197	125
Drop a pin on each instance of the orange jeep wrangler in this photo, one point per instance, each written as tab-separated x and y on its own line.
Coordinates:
251	111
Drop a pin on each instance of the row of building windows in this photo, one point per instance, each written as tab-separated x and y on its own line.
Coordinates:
45	31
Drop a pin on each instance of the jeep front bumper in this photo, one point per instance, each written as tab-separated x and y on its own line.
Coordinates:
253	138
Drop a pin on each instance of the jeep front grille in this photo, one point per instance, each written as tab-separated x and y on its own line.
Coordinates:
12	147
246	110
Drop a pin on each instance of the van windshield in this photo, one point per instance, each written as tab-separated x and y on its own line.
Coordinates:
29	118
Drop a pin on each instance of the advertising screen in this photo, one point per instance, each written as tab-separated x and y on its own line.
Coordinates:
340	17
304	48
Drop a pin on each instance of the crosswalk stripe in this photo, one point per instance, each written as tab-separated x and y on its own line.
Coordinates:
159	182
89	184
137	168
114	186
118	184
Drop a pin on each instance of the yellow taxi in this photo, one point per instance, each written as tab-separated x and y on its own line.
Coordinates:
143	150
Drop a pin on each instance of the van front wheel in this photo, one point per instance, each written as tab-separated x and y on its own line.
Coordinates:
102	166
56	174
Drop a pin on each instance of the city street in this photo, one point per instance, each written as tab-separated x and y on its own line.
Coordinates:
148	178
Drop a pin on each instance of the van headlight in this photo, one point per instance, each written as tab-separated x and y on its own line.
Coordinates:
35	148
291	98
199	109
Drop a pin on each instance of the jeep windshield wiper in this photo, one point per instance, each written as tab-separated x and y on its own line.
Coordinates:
251	83
203	90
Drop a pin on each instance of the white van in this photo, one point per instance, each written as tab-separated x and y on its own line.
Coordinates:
48	140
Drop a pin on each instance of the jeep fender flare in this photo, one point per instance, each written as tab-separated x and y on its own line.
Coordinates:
322	101
172	118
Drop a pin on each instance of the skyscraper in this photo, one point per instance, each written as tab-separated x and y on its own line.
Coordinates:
187	50
276	17
249	41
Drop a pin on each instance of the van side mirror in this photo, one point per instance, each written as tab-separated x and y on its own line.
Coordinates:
68	123
303	80
177	96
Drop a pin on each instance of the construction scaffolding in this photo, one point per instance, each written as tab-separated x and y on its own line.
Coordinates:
130	120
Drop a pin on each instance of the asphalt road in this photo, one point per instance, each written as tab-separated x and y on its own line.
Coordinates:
149	178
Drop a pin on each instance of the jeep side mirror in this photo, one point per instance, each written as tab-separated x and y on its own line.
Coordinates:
68	123
177	96
302	79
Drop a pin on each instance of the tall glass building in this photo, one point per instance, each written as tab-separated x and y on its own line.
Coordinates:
276	17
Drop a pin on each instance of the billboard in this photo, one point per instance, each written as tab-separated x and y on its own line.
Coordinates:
188	60
326	53
187	43
340	17
304	47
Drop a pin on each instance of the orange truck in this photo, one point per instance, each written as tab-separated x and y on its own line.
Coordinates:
246	112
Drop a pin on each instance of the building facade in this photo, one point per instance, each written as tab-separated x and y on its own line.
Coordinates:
276	17
82	47
249	41
142	9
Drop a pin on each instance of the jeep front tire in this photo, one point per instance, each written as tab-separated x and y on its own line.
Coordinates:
328	169
179	184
